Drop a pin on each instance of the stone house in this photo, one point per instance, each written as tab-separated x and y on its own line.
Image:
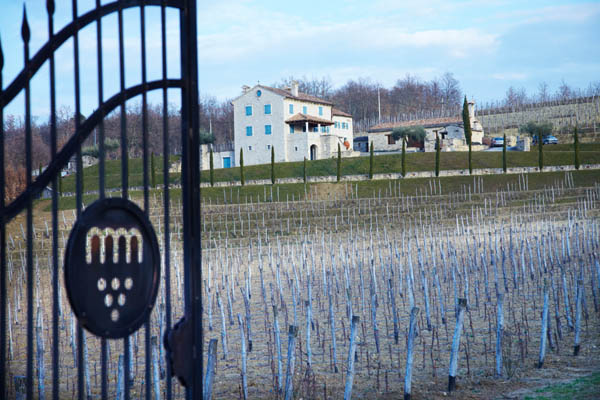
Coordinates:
296	124
449	129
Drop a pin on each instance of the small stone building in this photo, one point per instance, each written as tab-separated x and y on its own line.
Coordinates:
449	129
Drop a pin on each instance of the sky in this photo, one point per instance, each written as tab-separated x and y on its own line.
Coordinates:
487	45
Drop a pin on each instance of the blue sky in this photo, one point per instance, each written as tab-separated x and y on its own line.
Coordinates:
488	45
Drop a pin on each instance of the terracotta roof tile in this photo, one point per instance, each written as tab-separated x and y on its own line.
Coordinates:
336	111
301	96
308	118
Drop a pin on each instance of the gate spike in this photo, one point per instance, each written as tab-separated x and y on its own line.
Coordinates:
50	6
25	33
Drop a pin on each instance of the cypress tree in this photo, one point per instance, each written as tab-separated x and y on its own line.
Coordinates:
339	163
504	154
272	165
371	156
152	170
576	147
438	150
403	157
304	170
242	180
467	130
212	168
540	151
40	170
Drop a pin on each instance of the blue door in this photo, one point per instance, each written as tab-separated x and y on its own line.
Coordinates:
226	162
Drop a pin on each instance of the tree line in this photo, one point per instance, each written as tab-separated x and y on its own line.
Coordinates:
369	102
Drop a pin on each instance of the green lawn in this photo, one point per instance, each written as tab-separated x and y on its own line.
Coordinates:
553	155
569	147
587	387
491	183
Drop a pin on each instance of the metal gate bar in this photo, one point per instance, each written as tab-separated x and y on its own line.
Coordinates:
54	215
166	197
3	294
190	180
101	184
25	33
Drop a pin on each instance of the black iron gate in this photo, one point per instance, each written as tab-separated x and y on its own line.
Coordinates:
94	283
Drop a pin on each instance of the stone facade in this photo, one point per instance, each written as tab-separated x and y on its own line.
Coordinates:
296	125
450	131
222	157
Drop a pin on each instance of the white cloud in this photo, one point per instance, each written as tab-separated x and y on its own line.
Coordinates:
574	13
256	33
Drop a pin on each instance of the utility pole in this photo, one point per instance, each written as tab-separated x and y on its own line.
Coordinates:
379	103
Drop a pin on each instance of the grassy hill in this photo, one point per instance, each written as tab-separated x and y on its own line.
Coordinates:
561	154
369	188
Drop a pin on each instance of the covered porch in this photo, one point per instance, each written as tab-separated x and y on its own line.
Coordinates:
308	123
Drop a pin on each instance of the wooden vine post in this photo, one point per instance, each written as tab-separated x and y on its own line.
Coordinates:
462	305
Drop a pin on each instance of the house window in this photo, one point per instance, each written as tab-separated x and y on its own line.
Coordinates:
267	129
291	128
320	110
291	108
249	147
248	131
316	129
295	148
391	139
304	111
268	147
337	125
267	109
248	110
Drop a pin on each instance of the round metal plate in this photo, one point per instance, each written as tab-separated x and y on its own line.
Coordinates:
112	268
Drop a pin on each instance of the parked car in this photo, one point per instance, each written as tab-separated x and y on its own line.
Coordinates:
547	139
498	142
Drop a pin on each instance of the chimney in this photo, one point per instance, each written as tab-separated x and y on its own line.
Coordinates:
471	109
295	88
245	89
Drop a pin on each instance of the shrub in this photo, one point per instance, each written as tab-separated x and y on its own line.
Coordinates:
467	131
212	168
339	163
304	170
272	165
416	133
152	170
576	147
403	157
242	180
371	157
504	154
438	150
